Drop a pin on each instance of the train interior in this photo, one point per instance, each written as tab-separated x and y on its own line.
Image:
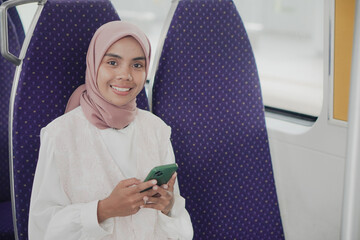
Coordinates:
256	95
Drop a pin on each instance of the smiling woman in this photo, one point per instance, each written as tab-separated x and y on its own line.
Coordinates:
96	105
95	157
121	74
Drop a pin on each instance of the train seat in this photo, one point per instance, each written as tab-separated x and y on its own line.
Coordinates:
7	70
53	67
207	89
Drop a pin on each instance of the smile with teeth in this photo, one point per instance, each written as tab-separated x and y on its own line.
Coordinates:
120	89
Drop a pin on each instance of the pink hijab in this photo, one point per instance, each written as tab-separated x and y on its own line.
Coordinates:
97	110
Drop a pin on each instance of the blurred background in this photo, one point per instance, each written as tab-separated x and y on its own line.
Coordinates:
288	44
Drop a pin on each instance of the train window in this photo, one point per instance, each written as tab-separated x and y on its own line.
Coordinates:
287	40
26	13
288	47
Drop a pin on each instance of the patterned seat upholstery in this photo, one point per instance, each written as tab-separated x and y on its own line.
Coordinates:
7	70
207	89
54	66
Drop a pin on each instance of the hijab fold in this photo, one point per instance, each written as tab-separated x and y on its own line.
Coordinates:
97	110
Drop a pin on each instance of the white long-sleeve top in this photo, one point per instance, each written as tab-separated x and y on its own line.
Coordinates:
64	206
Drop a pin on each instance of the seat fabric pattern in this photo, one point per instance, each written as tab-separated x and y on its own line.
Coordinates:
53	68
6	223
7	71
142	100
207	89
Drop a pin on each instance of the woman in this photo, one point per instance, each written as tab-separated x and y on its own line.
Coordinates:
92	159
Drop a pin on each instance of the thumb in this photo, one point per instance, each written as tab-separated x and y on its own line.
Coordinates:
172	182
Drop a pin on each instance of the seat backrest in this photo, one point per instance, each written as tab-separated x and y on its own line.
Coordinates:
54	66
7	71
207	89
142	100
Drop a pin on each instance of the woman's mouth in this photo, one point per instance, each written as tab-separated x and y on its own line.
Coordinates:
120	89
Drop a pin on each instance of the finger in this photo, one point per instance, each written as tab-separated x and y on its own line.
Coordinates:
149	193
157	195
140	196
165	186
158	203
171	182
145	198
165	195
161	202
145	185
153	206
163	192
129	182
141	203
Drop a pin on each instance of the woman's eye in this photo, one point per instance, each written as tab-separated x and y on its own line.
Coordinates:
113	63
138	65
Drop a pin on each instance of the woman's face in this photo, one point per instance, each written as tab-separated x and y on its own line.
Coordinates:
122	71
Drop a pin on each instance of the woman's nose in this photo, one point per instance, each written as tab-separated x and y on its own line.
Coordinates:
124	74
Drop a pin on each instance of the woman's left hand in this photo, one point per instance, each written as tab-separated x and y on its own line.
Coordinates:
164	199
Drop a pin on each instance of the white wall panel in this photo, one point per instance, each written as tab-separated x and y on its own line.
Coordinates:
309	185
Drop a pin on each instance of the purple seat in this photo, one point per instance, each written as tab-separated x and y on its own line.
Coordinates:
142	100
6	223
53	68
7	70
207	89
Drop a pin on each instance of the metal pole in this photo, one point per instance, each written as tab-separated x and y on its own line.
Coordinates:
350	225
4	41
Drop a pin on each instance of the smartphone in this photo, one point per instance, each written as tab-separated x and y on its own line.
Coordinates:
162	174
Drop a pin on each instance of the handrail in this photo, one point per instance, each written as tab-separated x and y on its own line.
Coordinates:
3	11
351	200
4	32
164	31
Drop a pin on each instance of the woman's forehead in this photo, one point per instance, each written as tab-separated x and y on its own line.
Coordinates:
128	46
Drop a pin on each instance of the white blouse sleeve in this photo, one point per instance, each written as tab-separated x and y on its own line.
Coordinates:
52	216
178	224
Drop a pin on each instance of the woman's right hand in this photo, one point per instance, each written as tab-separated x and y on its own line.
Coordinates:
126	199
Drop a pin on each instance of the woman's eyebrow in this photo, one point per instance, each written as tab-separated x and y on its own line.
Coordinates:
112	55
139	58
117	56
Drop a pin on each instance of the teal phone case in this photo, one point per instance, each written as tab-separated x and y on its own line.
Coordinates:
162	174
